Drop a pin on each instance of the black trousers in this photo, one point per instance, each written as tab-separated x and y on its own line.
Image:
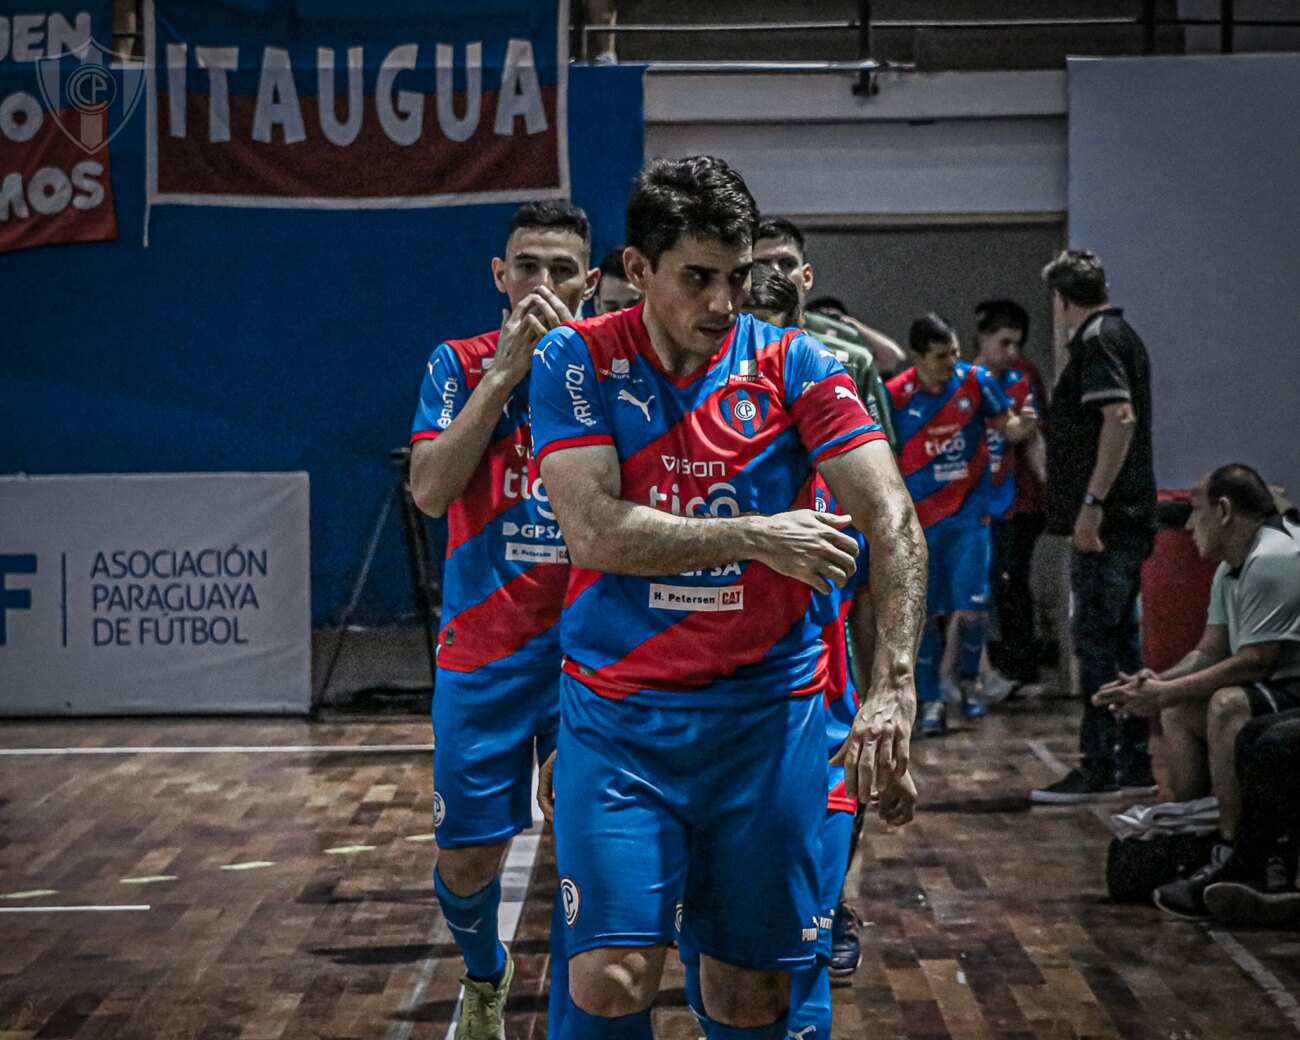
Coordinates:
1268	768
1014	537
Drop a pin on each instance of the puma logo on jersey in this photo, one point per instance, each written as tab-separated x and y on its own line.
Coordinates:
843	393
624	395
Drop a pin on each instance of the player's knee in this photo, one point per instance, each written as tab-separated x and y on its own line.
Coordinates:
466	871
612	982
743	998
1229	708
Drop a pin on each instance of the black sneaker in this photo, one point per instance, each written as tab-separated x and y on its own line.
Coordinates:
1272	900
1185	897
1137	783
846	950
1077	787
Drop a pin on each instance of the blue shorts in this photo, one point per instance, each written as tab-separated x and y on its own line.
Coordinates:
836	838
717	810
487	726
961	553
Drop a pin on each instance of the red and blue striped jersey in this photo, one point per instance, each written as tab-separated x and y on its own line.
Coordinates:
943	452
739	435
1000	487
831	611
506	567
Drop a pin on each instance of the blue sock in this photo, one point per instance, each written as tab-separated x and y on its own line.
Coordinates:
579	1025
558	1000
972	645
927	665
810	1000
776	1031
473	924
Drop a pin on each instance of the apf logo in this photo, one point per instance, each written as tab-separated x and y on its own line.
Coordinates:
14	599
745	410
572	900
79	89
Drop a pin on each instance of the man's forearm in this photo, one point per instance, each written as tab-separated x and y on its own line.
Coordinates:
625	538
1112	450
1237	670
1195	661
442	467
899	561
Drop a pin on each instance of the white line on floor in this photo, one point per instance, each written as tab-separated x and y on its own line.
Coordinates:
1265	979
277	749
1044	754
69	909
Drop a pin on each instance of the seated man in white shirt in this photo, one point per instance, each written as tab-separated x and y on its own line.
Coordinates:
1248	661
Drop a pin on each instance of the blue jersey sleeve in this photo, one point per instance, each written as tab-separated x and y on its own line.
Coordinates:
443	393
564	399
993	399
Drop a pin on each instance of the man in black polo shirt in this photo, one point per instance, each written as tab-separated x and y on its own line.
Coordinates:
1101	491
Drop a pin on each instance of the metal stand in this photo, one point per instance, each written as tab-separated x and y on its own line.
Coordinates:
419	566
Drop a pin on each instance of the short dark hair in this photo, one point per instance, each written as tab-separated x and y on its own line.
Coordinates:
612	264
552	215
697	197
991	315
826	304
773	291
1078	276
1244	488
782	230
927	329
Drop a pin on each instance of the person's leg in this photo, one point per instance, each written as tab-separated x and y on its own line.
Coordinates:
928	690
1015	598
1187	755
755	918
619	902
484	727
810	985
1228	713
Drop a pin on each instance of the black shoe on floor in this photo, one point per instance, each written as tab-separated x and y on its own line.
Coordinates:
1077	787
1137	783
1271	900
1185	897
846	950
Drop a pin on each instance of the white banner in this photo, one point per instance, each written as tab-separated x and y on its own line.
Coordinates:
155	593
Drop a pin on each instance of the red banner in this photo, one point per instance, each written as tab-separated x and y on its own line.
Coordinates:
51	190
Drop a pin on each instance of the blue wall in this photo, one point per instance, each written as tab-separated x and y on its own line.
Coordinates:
248	339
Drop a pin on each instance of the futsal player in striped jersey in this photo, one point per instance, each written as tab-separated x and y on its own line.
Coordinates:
678	440
496	700
942	409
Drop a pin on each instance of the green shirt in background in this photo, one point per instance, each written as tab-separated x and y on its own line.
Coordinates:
851	350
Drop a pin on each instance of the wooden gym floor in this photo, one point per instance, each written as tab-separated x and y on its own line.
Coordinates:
205	880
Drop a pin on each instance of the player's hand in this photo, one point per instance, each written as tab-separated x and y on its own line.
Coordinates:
1028	413
546	787
1141	699
1087	531
810	546
521	329
1124	684
879	746
897	804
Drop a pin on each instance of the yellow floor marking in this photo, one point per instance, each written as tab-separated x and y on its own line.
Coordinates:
256	864
421	837
148	879
343	850
34	893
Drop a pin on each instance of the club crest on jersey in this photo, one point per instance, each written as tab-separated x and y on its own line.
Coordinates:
745	410
963	403
439	810
572	900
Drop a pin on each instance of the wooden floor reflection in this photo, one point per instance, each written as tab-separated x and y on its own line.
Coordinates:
288	896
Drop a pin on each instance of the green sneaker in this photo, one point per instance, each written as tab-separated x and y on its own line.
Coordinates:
483	1008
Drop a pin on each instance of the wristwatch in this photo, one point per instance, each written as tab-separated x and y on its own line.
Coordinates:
1089	499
